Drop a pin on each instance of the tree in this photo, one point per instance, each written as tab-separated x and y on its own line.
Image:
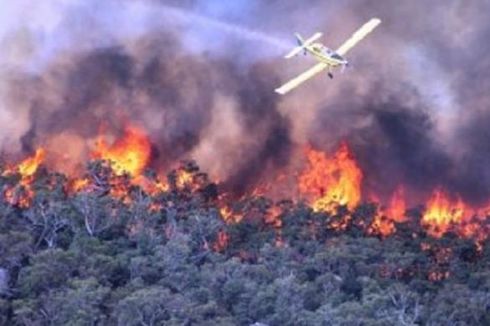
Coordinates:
80	303
153	306
47	220
93	212
49	269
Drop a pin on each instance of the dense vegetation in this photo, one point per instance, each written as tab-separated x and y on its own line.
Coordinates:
92	258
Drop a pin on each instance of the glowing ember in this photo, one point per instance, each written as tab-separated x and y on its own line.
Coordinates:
120	188
340	223
382	225
441	213
437	276
151	187
129	154
474	227
331	181
78	184
221	242
19	196
273	217
229	216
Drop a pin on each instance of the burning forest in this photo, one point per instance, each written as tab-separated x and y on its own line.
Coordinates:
149	178
328	183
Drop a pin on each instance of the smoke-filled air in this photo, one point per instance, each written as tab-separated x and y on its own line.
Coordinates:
197	78
170	96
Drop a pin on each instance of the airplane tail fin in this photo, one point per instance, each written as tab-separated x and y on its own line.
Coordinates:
299	39
302	44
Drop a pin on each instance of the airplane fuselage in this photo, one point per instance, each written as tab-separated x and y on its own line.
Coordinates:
326	55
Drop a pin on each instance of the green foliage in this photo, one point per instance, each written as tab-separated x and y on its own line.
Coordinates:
91	258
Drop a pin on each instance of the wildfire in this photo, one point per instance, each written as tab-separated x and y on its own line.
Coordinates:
328	181
23	194
128	154
78	184
397	207
229	216
382	225
184	178
152	187
29	166
441	213
331	181
273	217
384	221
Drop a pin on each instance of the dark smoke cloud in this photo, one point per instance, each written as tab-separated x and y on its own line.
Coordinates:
414	106
173	95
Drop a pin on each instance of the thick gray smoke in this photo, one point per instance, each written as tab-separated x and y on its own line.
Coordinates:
199	77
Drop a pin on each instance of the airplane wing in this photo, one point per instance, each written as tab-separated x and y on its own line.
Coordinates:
295	82
358	36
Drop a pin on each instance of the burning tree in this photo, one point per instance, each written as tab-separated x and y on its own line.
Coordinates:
144	228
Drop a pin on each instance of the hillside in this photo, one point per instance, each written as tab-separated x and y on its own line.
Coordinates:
111	253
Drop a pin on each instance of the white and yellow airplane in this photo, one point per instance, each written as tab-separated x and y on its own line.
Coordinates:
327	58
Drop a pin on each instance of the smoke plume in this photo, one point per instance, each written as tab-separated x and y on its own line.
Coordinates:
198	76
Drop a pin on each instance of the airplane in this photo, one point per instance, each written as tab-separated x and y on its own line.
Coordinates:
327	58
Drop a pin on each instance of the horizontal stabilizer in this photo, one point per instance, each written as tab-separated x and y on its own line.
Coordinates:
302	44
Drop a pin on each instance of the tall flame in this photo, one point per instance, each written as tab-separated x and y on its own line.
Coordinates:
29	166
441	213
397	206
332	181
130	153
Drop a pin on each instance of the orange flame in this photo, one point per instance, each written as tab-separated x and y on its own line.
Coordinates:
230	216
441	213
184	178
129	154
152	187
384	221
382	225
27	168
77	185
332	181
397	206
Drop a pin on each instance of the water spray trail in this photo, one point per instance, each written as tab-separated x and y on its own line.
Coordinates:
229	28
